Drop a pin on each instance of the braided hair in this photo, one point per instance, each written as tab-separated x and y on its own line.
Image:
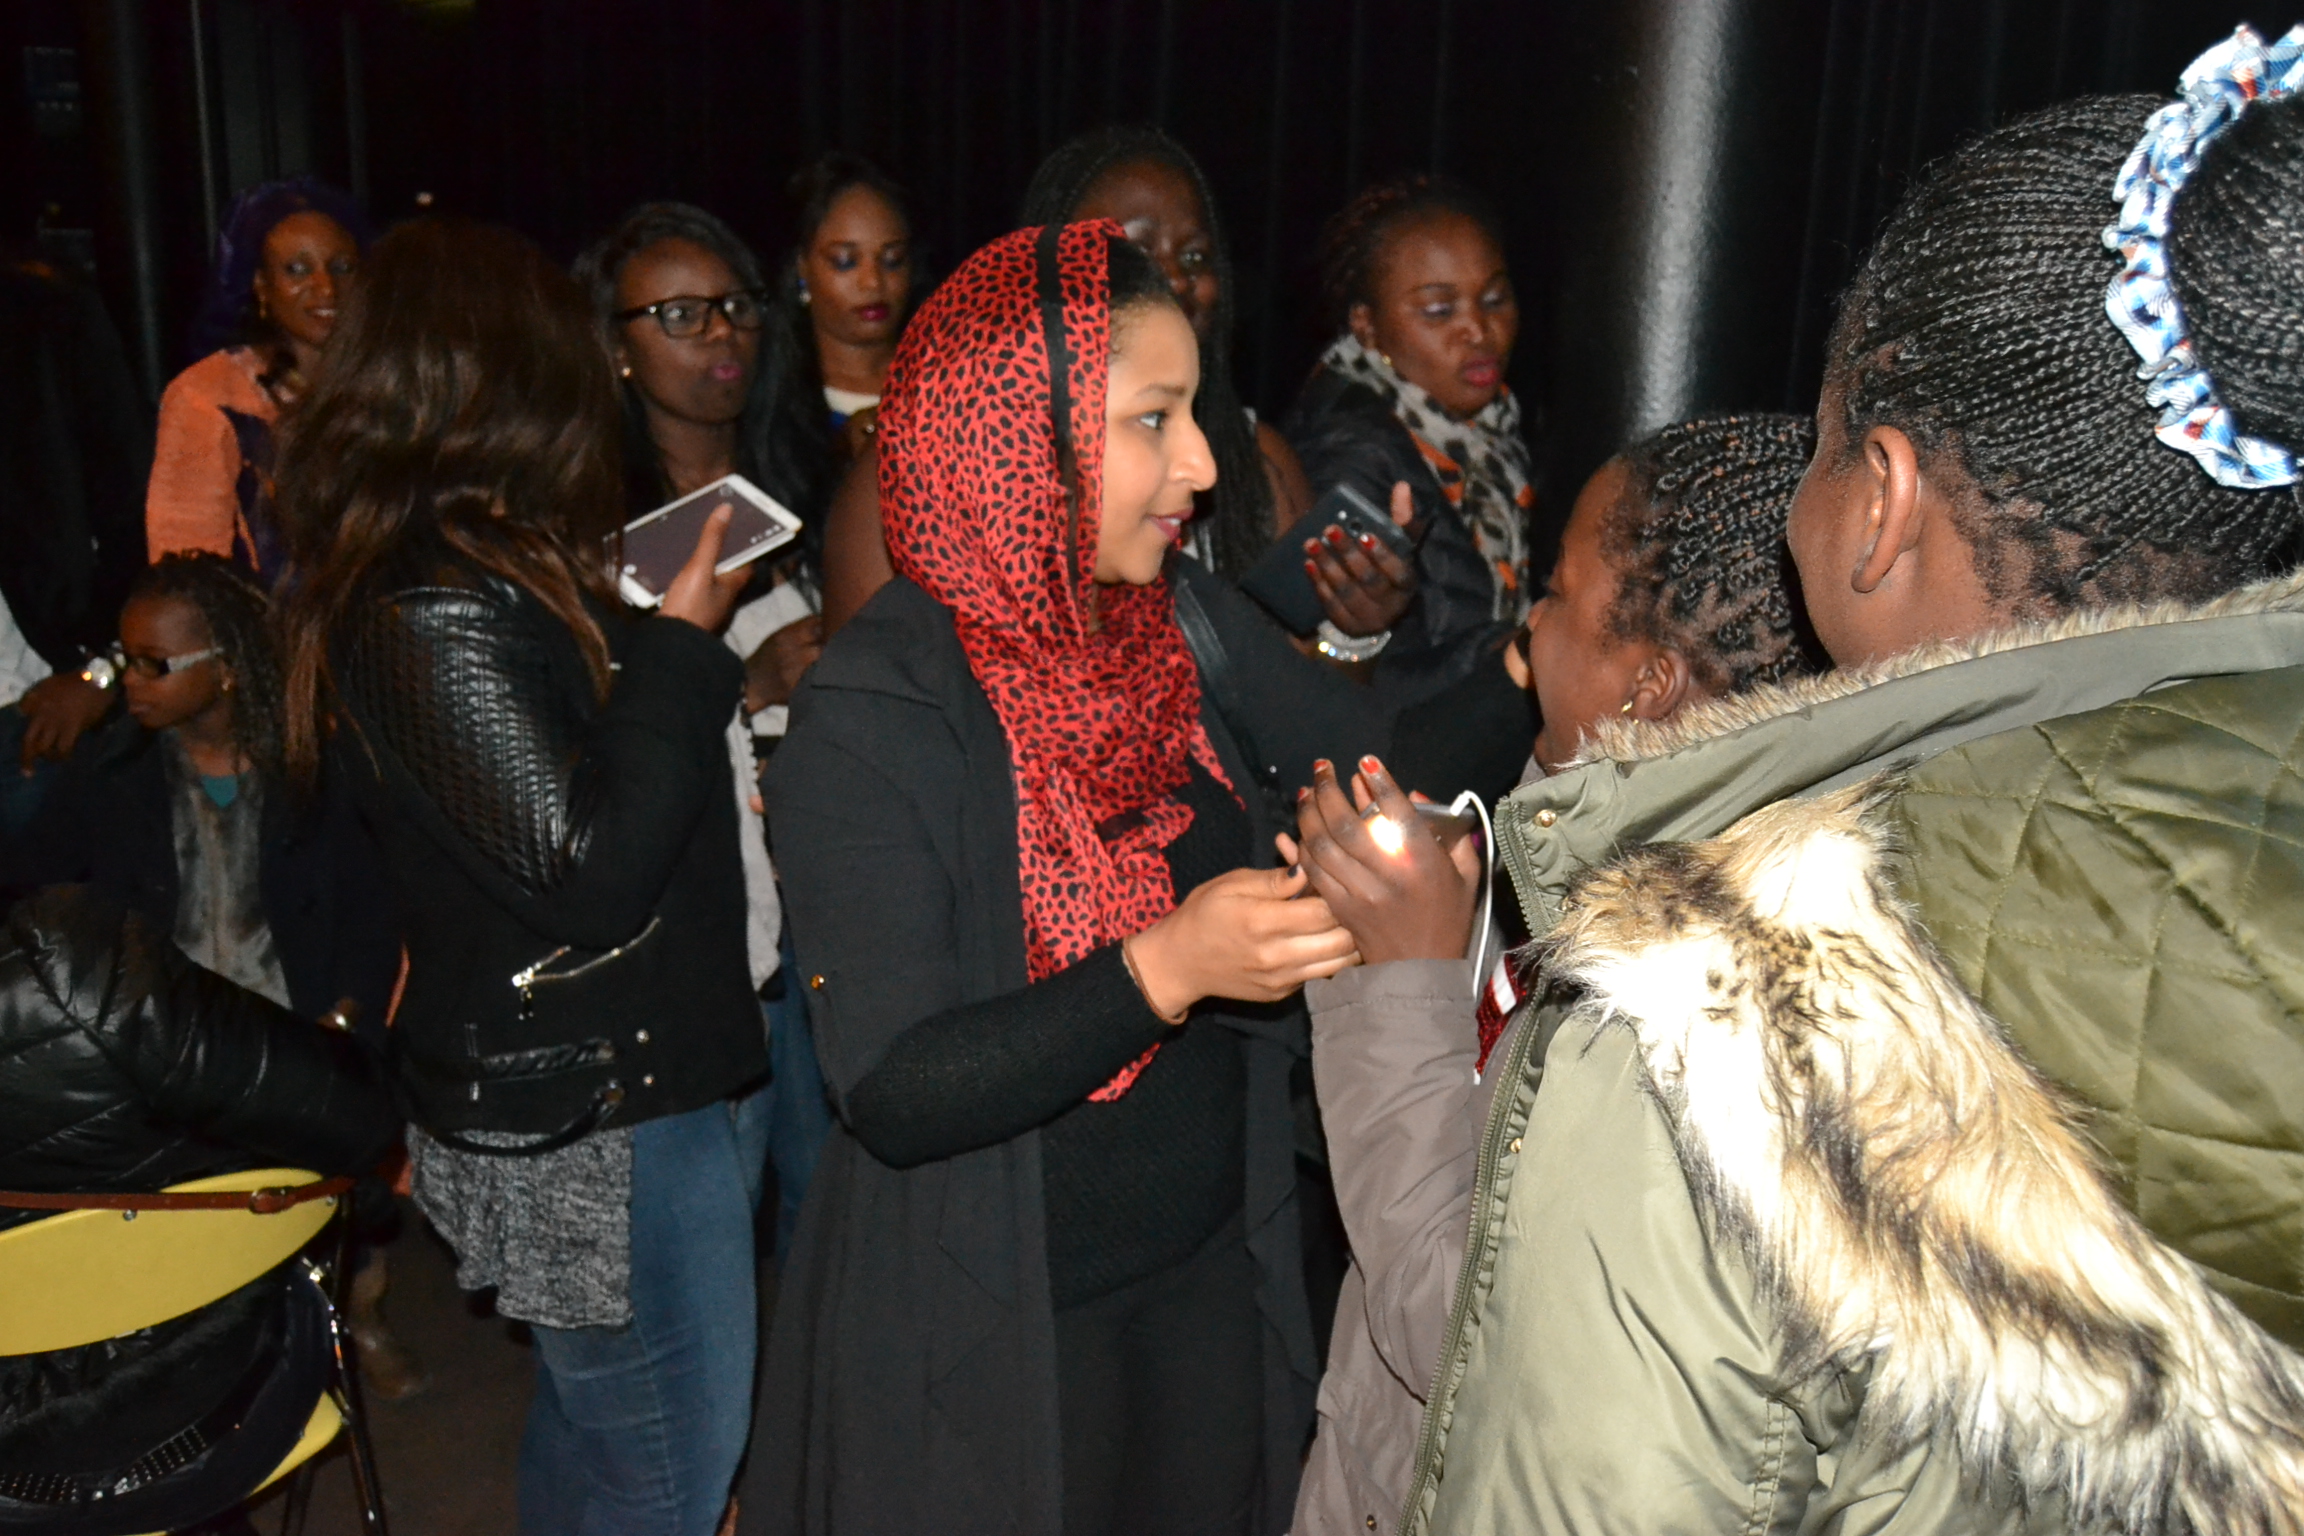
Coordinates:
238	614
1240	506
1978	328
1352	242
1697	544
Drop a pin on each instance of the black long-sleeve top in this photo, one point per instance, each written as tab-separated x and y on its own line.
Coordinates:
1131	1185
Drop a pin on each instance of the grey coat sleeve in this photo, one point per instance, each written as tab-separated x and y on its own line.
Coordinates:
1392	1052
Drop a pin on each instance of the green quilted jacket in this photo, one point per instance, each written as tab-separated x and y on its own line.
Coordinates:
2091	833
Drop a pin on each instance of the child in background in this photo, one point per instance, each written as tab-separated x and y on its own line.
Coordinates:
177	807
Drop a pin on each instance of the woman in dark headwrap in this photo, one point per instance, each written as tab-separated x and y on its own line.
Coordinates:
1047	1278
287	255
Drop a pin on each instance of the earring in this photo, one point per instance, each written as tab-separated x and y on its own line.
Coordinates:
803	295
624	372
1627	709
1385	358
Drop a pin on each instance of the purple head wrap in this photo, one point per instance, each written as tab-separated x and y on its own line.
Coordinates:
254	214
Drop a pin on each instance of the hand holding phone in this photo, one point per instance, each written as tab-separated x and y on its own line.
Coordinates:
1365	581
702	594
1363	556
650	551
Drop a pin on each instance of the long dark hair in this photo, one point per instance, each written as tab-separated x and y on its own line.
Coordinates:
465	399
238	614
1240	507
788	357
779	437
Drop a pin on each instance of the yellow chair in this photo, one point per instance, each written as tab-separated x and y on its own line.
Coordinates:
85	1275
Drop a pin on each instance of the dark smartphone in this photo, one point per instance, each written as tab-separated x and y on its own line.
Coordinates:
1278	580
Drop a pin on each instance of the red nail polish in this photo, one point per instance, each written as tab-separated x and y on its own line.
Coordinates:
1369	765
1368	542
1310	569
1335	536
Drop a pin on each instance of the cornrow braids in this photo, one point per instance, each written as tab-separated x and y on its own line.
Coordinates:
1240	506
238	614
1352	241
1697	544
1978	328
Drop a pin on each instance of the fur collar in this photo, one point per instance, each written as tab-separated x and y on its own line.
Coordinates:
1911	1193
1627	741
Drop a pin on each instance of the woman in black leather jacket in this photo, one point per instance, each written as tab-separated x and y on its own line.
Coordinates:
578	1041
125	1068
1411	392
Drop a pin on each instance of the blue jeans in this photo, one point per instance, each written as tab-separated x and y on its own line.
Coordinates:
803	1118
636	1431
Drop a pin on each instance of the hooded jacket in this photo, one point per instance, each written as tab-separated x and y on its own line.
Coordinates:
1923	1151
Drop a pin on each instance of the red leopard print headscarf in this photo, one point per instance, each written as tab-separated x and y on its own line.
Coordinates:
1102	724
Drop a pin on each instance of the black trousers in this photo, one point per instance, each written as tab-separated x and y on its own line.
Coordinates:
1160	1387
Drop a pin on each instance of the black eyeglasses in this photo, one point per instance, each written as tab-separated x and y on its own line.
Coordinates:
688	316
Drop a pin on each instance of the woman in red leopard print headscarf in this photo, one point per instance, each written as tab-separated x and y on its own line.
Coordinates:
1053	988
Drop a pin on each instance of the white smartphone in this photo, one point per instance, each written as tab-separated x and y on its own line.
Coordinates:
650	550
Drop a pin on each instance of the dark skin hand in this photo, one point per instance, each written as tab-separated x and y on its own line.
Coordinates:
1363	585
1416	904
58	711
774	669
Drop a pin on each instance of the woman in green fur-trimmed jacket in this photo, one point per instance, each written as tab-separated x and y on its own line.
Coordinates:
1925	1152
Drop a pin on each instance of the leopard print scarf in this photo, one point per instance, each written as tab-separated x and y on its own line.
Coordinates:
1481	465
1103	717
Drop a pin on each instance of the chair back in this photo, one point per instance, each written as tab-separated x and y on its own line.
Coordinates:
83	1276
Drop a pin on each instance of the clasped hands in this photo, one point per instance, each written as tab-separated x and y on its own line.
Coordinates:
1259	934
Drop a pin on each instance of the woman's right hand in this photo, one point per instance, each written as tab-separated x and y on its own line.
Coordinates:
698	595
1363	587
1413	902
1255	935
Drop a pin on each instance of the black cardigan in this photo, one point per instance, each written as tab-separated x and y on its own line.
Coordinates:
910	1380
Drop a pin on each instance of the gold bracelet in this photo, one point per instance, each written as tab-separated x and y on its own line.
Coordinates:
1128	959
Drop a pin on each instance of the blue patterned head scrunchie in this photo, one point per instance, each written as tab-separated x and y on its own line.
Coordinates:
2217	87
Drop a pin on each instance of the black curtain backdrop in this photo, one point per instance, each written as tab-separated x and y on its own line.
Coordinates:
1686	185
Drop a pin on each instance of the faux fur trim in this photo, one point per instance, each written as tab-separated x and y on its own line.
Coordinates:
1624	740
1912	1193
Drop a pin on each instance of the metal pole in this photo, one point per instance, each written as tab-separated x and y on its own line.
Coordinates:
204	107
124	67
355	110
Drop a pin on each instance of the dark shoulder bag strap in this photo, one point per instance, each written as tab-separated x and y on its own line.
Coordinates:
1223	690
